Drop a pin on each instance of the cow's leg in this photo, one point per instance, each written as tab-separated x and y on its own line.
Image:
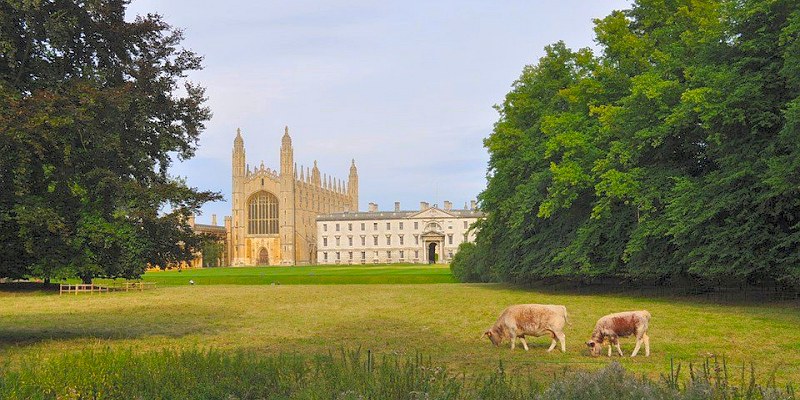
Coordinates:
513	340
563	339
646	344
524	343
610	345
619	350
638	345
553	343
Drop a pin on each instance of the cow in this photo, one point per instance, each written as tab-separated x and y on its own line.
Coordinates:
519	320
623	324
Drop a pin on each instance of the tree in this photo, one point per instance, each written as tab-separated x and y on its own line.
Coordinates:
93	110
671	155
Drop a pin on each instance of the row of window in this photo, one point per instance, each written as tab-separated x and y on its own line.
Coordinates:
375	240
338	255
429	226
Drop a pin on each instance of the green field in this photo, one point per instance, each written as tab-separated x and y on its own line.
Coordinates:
444	321
366	274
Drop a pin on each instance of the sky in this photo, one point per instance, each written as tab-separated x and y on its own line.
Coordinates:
405	88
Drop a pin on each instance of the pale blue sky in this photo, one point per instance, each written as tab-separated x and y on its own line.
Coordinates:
405	88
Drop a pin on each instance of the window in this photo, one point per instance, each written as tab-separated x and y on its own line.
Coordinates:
325	256
350	241
324	242
401	239
375	240
337	227
450	239
363	226
374	226
416	239
388	226
349	227
389	254
401	254
388	240
466	224
337	241
416	253
337	255
350	254
324	227
363	255
262	214
401	225
363	240
416	225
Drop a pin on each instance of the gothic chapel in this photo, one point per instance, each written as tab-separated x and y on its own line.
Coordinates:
273	218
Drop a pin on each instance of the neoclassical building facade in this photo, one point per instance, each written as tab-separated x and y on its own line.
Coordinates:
273	215
428	235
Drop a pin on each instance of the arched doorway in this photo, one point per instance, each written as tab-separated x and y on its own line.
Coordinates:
263	257
432	253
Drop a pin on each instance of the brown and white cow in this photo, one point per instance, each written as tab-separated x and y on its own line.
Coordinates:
623	324
520	320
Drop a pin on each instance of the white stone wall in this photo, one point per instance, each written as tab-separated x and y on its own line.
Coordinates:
353	241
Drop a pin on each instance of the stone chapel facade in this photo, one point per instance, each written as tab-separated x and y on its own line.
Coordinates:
273	215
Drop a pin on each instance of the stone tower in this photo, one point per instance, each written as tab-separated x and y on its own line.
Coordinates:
237	228
287	196
352	186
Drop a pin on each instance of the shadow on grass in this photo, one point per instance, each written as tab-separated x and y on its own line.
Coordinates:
726	296
28	287
120	323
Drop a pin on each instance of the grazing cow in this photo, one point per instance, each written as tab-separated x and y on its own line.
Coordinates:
624	324
530	319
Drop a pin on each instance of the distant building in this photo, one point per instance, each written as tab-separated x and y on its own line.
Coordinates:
428	235
273	216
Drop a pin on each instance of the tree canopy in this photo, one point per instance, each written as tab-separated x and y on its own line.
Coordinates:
93	110
672	154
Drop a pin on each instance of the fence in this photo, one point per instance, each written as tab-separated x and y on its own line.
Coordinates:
115	287
82	288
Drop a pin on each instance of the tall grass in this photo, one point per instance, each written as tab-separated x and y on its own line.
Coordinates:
354	374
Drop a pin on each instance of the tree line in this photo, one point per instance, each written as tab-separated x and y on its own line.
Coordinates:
672	154
93	111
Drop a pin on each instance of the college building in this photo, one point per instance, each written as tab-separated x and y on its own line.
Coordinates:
428	235
273	213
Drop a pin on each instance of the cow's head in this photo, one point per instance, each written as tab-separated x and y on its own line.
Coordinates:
594	347
494	336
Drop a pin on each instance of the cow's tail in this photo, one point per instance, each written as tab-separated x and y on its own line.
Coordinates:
565	316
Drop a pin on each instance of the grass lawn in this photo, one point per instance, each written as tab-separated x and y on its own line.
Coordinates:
444	321
315	274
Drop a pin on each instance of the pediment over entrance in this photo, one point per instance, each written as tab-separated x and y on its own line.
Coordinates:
432	213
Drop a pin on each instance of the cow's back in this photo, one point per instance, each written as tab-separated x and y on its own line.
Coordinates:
535	318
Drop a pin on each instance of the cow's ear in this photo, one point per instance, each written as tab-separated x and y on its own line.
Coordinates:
590	344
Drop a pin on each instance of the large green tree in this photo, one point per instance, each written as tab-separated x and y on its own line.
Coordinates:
93	110
673	154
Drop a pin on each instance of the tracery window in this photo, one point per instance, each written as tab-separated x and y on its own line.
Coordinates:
262	214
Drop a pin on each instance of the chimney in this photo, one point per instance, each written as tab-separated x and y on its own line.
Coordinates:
423	205
397	206
448	205
373	207
214	219
473	205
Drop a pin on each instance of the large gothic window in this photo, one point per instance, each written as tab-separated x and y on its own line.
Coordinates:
262	214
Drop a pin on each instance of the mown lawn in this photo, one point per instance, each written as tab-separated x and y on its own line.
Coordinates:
320	275
444	321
